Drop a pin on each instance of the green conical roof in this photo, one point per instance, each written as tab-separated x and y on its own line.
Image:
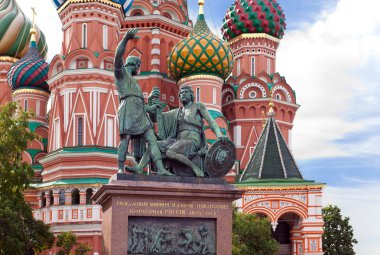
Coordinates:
272	158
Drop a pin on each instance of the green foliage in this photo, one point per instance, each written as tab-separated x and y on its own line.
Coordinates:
338	237
83	249
252	235
19	231
14	138
67	240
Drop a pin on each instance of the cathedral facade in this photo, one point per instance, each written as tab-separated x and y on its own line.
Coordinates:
234	76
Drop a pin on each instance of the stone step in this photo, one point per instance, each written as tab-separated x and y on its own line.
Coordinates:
284	249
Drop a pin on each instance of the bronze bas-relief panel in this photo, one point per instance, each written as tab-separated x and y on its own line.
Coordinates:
172	236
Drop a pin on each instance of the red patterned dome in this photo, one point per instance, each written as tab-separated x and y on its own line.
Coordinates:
254	16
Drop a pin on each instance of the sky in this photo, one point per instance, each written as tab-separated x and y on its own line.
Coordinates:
330	56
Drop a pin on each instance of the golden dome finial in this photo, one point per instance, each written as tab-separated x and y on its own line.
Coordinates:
33	30
201	4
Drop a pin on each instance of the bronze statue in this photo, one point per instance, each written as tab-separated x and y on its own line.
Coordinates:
183	133
132	112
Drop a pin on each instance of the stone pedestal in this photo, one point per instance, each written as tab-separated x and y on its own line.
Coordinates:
166	215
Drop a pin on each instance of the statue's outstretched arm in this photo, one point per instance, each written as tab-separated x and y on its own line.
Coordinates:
120	50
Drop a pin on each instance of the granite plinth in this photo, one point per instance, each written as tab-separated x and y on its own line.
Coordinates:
184	215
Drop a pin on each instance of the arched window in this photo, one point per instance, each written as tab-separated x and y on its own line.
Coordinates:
253	71
137	13
268	66
25	105
43	200
198	94
62	197
238	68
105	37
84	35
167	15
89	193
75	197
80	132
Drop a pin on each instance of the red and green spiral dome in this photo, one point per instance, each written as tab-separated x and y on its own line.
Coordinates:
254	16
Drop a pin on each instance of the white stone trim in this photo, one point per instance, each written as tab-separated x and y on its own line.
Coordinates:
155	61
156	41
156	52
250	85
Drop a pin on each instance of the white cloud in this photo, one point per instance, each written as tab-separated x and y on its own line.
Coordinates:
329	64
47	20
362	205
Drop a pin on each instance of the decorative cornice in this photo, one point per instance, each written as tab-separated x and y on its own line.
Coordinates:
8	59
291	187
254	35
108	2
199	77
62	186
30	91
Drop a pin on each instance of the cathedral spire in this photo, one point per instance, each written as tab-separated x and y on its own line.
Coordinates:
201	4
272	158
33	30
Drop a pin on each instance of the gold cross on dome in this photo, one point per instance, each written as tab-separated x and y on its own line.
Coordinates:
34	14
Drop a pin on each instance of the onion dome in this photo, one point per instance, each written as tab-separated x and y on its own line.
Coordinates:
200	53
125	3
31	71
254	16
14	32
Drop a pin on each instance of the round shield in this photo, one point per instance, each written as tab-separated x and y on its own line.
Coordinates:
220	158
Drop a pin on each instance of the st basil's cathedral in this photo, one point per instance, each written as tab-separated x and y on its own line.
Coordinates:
75	102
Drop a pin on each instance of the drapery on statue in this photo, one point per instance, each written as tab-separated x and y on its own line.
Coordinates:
181	131
132	112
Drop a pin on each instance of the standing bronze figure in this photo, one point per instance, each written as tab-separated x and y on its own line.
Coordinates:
132	112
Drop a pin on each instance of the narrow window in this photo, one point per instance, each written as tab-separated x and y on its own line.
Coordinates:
62	197
38	108
84	35
51	198
80	131
238	67
57	131
214	95
43	200
89	193
105	37
253	73
25	105
198	94
75	197
268	66
110	132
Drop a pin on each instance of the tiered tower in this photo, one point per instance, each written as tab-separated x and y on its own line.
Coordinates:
254	29
275	188
27	78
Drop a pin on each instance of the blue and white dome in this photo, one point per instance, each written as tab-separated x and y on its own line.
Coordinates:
125	3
